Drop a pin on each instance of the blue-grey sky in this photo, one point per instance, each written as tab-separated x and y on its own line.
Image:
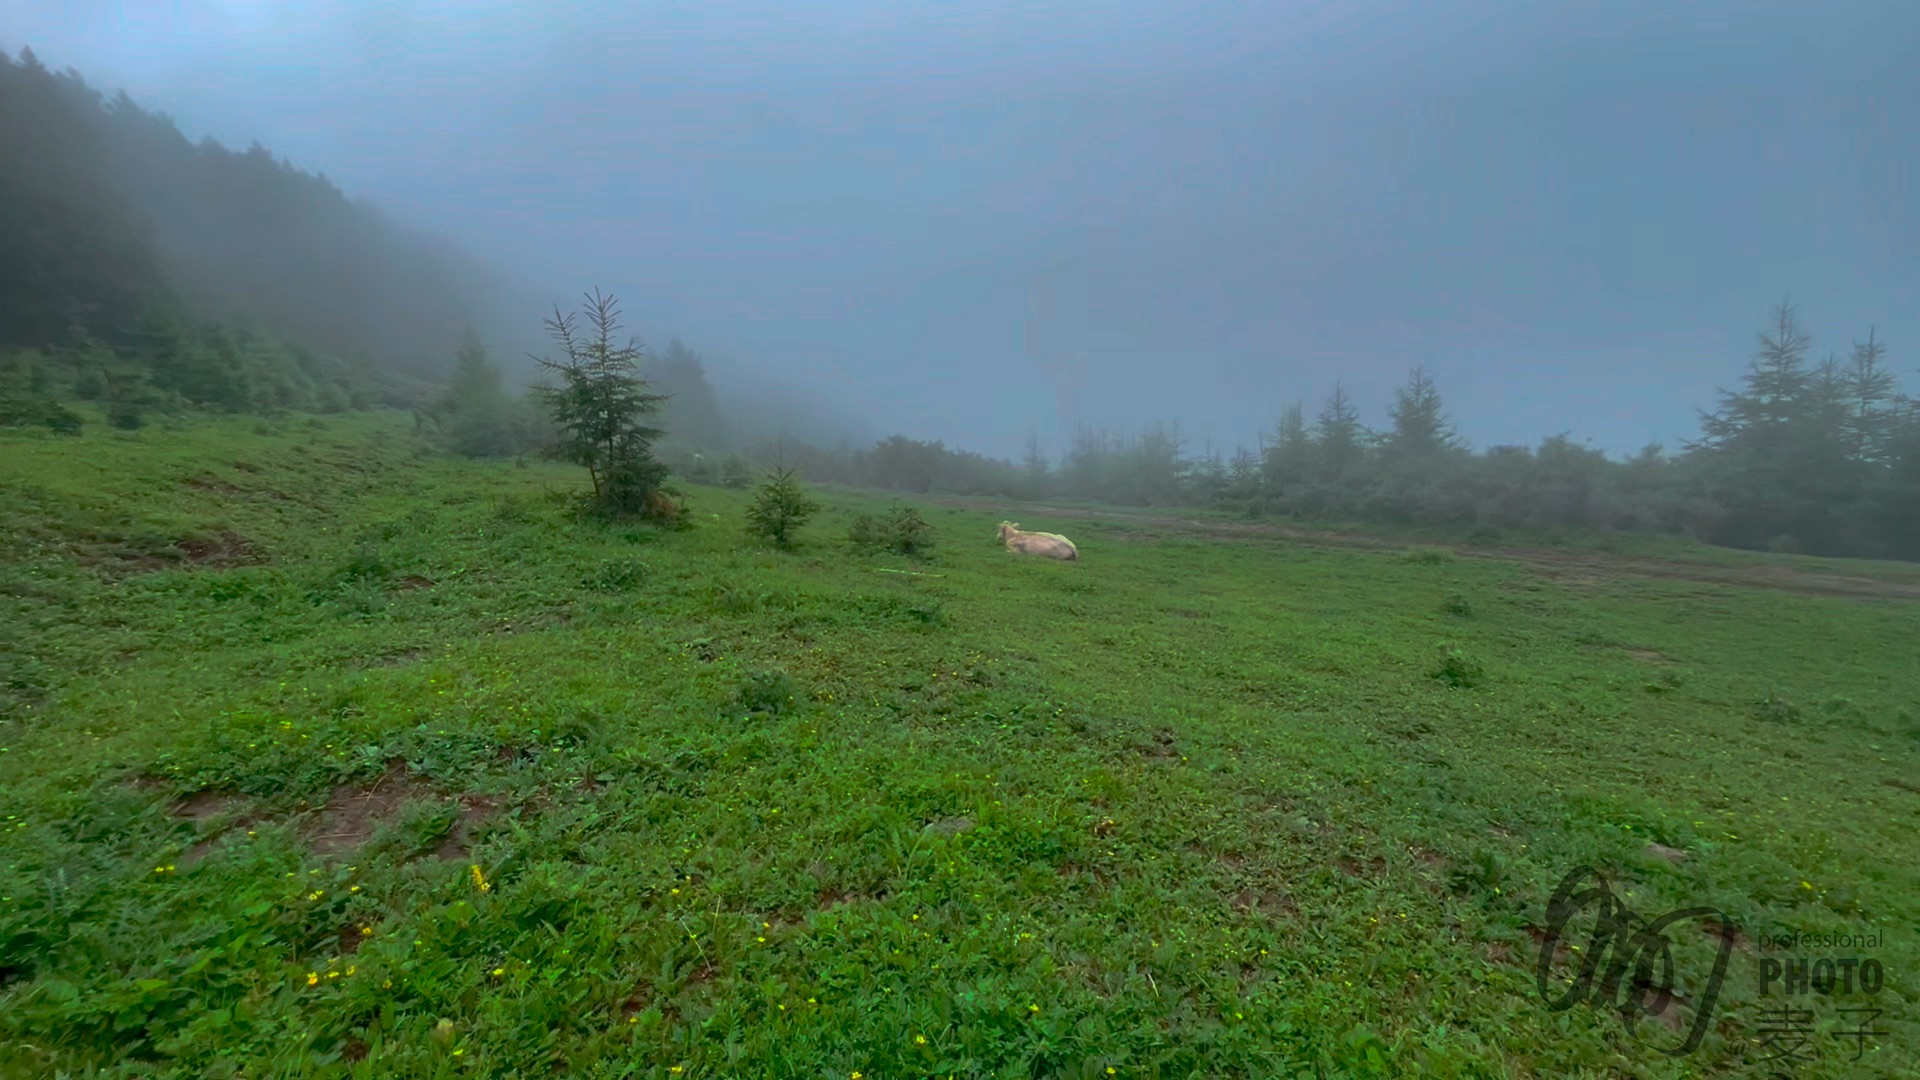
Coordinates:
976	219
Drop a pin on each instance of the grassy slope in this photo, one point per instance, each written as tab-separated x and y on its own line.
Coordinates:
1189	807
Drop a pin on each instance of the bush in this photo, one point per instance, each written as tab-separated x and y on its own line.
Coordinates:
901	530
780	507
1775	709
1459	669
770	691
618	575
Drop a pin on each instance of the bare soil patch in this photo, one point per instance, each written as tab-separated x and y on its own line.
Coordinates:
475	811
222	548
1579	568
353	813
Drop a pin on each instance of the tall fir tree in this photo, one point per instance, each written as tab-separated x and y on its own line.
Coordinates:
602	410
1339	439
1420	428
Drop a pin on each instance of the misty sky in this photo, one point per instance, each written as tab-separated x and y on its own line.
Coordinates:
972	219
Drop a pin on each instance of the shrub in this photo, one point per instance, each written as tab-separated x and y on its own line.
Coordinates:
1459	669
901	530
618	575
771	691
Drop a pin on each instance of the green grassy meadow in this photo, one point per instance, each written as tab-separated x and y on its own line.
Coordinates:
323	755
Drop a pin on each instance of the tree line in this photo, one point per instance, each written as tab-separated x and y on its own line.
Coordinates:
1820	458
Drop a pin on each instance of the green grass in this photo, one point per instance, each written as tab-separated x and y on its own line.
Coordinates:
322	755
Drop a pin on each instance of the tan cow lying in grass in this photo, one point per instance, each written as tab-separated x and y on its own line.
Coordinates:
1052	545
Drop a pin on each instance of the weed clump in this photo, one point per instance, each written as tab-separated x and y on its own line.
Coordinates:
1458	605
900	530
1429	556
770	691
1458	668
1774	709
618	575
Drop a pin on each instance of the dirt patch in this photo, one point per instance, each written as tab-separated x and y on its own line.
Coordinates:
475	811
1561	950
832	897
1266	901
401	658
1649	656
1372	868
637	1001
201	808
204	806
222	548
1662	851
1585	568
352	815
1580	566
350	938
1161	745
1715	929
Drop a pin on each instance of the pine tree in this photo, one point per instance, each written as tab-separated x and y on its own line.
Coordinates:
1754	422
780	507
601	408
1339	440
1287	460
1420	426
1870	397
476	415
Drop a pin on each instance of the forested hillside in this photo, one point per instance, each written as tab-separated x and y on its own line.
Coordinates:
142	269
